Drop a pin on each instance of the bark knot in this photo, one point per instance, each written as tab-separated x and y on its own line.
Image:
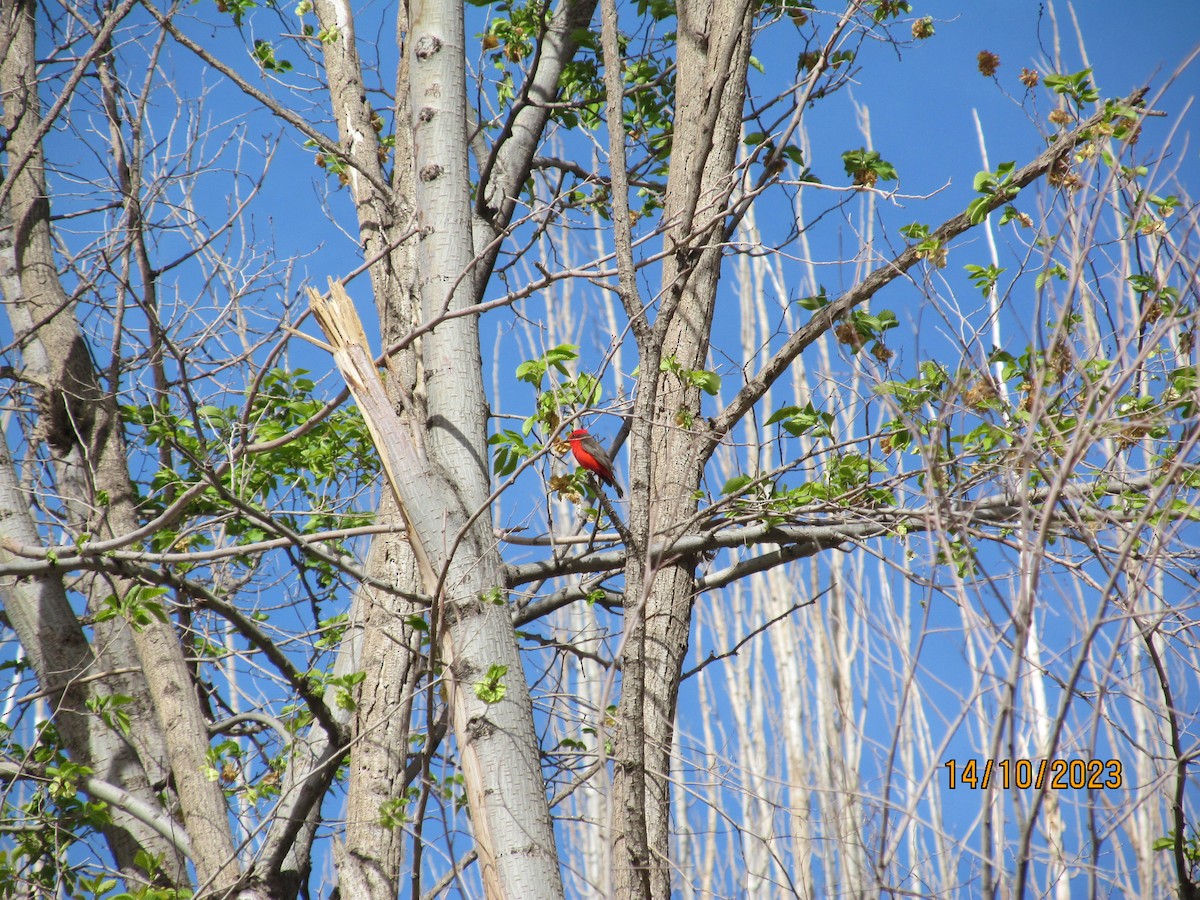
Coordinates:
427	45
480	727
430	172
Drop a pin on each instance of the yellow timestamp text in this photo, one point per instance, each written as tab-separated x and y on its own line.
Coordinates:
1054	774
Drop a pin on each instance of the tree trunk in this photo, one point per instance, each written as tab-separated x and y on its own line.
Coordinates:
80	425
388	649
436	388
713	53
391	658
497	741
40	613
488	696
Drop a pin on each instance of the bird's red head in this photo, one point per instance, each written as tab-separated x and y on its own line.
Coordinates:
577	434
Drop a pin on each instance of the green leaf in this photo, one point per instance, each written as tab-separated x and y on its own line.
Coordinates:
531	371
1011	213
1056	271
736	484
1076	87
392	812
798	420
511	449
264	55
867	167
492	688
1142	284
138	606
709	382
977	210
343	694
814	302
984	277
534	370
793	154
237	9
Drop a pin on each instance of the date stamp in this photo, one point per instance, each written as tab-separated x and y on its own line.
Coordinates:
1054	774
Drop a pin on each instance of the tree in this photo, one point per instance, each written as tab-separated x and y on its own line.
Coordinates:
247	670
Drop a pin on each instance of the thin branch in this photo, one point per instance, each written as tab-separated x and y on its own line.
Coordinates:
118	797
825	318
751	635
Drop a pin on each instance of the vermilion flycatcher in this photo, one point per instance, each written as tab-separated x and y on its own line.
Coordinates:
590	455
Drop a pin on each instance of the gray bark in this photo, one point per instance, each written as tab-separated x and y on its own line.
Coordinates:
369	862
392	659
40	613
713	53
458	560
497	741
79	424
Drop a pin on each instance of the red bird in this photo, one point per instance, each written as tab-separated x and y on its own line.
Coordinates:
590	455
